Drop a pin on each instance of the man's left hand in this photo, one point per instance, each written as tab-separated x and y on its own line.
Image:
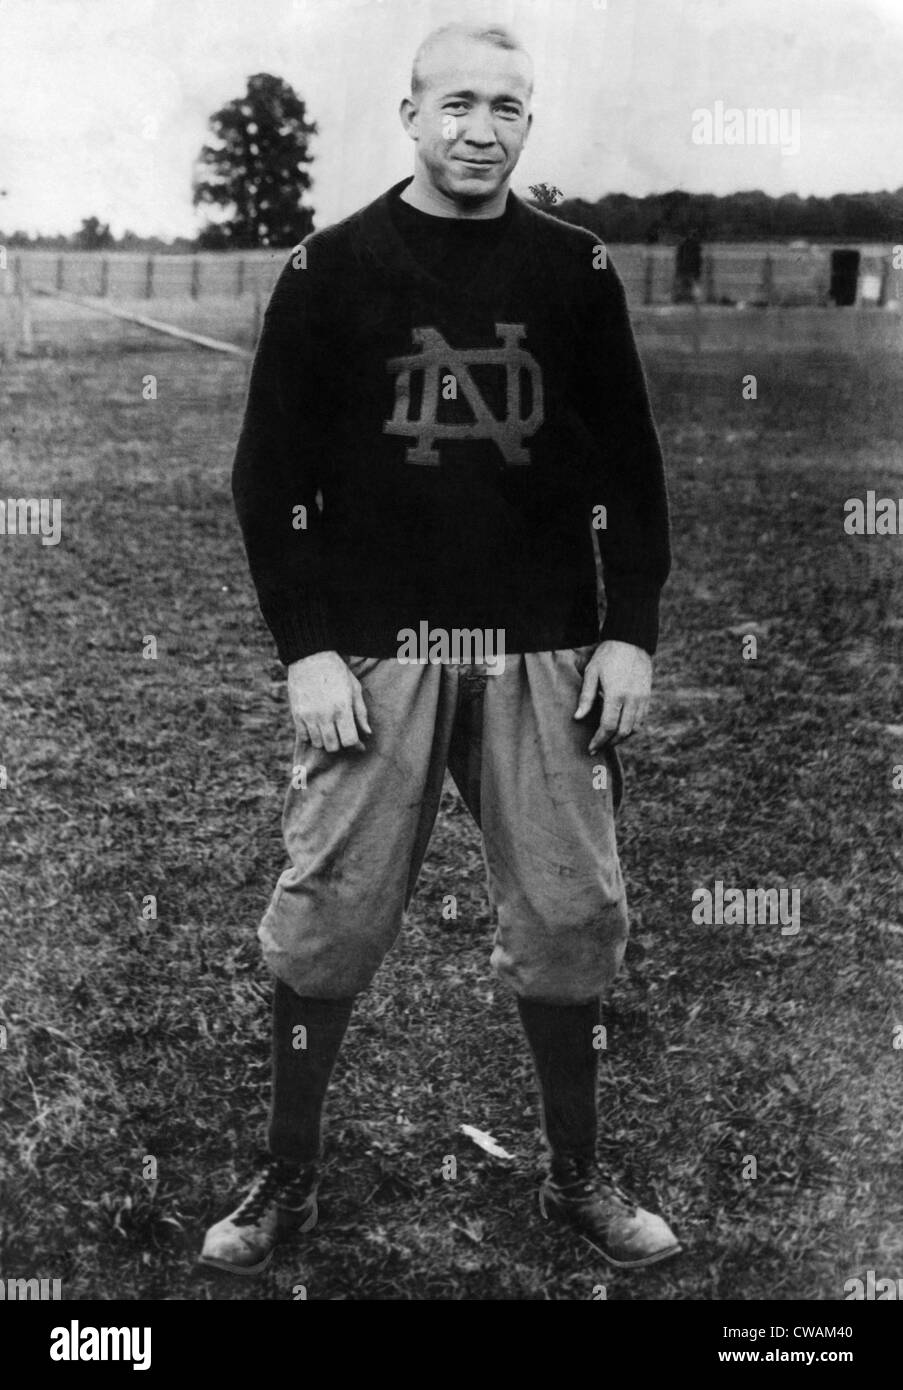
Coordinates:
623	673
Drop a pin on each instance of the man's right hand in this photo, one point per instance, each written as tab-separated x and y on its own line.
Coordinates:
327	702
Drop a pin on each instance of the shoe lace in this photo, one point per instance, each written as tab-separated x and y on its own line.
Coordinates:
268	1182
588	1182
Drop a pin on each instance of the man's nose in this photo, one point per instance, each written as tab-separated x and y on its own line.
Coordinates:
479	130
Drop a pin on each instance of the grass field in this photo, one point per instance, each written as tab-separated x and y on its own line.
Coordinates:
128	777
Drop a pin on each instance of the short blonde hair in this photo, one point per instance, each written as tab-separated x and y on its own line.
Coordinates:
496	34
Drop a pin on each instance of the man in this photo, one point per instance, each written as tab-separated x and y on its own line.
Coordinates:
446	400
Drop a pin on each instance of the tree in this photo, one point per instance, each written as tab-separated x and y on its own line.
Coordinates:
546	194
94	235
254	169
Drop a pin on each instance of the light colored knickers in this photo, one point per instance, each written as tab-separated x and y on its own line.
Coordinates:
357	833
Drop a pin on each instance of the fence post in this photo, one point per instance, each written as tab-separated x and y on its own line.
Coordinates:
104	278
648	277
822	281
768	278
60	272
885	281
240	278
15	315
195	278
27	344
23	341
697	327
8	312
149	278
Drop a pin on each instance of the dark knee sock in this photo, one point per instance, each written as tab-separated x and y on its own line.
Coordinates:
567	1065
301	1073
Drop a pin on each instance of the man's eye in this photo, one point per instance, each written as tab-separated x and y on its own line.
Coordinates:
508	111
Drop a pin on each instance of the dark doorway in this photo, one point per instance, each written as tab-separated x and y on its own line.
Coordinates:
844	277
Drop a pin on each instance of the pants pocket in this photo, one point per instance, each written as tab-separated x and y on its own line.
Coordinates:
360	666
617	776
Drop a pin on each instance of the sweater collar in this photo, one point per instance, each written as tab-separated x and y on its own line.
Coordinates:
383	244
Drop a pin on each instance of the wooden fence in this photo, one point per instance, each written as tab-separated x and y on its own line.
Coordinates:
48	299
751	273
123	275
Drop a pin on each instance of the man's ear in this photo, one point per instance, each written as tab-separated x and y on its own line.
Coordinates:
408	113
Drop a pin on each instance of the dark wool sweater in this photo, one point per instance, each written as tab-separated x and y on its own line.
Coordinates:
447	247
418	448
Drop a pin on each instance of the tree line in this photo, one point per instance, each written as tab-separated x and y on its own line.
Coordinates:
94	235
748	216
617	217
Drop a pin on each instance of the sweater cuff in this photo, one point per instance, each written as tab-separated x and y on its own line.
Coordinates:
301	630
632	613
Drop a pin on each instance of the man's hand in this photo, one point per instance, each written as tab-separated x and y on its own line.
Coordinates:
327	702
624	675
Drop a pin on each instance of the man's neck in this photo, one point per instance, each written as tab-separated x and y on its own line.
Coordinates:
422	195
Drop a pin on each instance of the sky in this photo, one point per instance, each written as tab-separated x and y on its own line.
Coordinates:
104	103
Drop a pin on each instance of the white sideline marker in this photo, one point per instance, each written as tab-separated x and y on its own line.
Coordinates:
215	344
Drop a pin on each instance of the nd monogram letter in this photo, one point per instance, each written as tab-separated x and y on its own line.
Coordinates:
435	353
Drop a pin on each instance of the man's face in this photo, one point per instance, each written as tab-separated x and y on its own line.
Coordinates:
471	118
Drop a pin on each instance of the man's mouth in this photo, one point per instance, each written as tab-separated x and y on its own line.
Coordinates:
478	163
